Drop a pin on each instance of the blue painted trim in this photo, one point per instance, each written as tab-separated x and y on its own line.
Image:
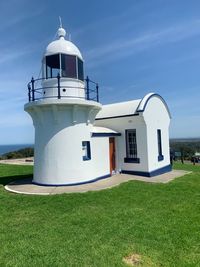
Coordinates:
153	95
131	160
78	183
114	117
162	170
86	158
87	144
160	157
105	134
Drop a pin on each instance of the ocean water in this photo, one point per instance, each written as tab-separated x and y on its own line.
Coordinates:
8	148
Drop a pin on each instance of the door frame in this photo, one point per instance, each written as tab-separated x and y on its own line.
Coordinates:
112	154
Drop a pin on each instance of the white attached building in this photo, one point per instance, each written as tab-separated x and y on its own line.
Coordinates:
143	146
77	140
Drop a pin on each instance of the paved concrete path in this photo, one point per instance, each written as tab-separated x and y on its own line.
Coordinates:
22	161
26	187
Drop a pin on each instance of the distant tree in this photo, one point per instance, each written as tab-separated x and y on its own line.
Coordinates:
187	149
21	153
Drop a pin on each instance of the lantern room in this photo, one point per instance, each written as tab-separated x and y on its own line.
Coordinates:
62	74
64	58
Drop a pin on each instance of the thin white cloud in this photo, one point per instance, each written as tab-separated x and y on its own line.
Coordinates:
124	47
12	102
12	56
21	18
6	83
16	119
103	22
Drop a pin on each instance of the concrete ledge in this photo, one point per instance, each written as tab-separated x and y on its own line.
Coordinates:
27	187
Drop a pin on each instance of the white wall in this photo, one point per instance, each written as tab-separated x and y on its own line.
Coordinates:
157	117
73	88
59	132
120	125
100	156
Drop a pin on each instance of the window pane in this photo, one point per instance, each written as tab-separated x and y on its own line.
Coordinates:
80	70
131	144
86	150
68	65
48	72
159	142
52	66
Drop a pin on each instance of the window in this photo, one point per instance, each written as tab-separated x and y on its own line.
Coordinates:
68	65
159	139
131	147
80	70
52	66
86	150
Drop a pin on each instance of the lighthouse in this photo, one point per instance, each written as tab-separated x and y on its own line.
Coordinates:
63	107
78	140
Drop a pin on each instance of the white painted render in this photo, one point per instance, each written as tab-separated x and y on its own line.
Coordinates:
120	125
71	88
156	116
100	157
60	128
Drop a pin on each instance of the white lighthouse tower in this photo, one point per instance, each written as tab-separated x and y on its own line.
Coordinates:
77	140
63	109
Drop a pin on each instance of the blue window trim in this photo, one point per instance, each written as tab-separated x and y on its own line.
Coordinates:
76	183
105	134
159	140
131	160
147	100
87	144
160	157
128	159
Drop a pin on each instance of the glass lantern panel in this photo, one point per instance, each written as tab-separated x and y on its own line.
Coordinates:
68	65
80	70
52	66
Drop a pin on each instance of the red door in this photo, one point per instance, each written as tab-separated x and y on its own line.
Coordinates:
112	154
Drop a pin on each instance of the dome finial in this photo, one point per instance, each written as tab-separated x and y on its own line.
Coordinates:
61	30
60	22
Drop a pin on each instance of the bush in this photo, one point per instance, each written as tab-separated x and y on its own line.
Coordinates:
21	153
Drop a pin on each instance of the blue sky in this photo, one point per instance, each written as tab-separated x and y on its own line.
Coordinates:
130	48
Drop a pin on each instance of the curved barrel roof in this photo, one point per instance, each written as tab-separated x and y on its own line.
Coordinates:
128	108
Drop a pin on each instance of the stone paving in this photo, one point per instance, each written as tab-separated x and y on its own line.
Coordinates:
27	187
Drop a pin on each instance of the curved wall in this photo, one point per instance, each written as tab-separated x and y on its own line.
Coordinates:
59	133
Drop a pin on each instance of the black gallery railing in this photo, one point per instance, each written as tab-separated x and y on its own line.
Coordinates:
37	92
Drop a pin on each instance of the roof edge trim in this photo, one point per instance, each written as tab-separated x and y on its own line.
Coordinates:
114	117
105	134
143	103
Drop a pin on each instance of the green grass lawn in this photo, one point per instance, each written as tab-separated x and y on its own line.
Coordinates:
160	222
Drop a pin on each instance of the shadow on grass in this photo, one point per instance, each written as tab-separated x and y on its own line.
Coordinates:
8	179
